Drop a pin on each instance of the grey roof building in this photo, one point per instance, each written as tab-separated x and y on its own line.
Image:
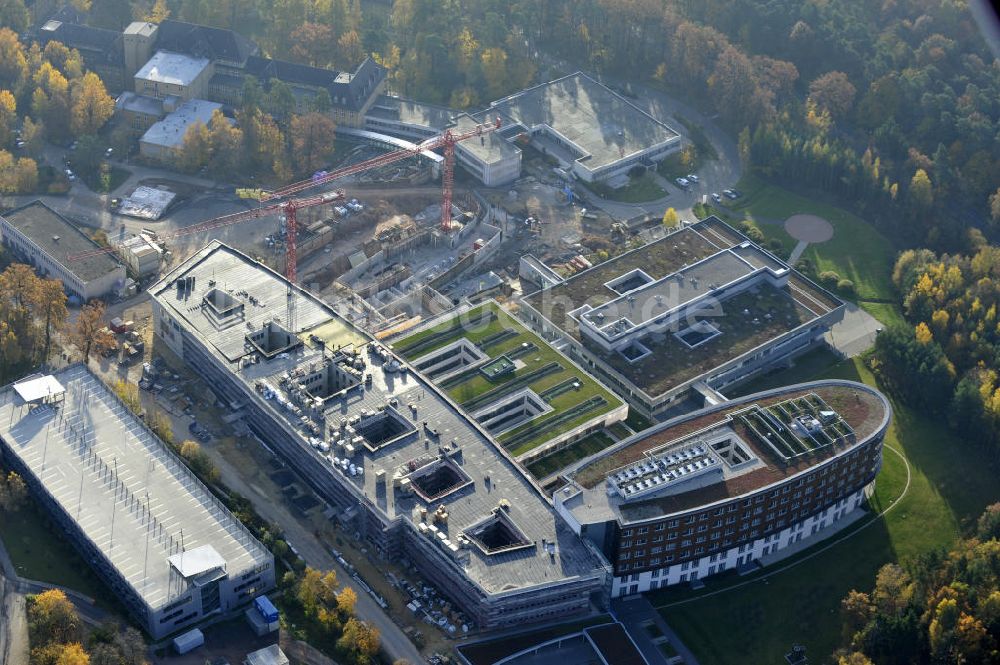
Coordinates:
398	460
165	545
40	235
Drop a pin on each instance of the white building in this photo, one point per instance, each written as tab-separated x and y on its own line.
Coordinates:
39	235
169	74
164	140
167	548
592	131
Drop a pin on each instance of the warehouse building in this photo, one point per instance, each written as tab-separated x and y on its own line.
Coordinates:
731	486
48	241
398	461
593	132
169	550
700	310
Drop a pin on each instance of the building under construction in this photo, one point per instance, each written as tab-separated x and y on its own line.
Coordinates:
396	459
164	544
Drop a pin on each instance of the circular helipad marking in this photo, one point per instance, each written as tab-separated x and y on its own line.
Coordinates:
809	228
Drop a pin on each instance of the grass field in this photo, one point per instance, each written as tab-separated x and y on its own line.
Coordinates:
39	553
857	251
950	485
475	386
638	190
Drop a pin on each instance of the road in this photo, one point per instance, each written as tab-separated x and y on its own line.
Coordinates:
13	625
315	554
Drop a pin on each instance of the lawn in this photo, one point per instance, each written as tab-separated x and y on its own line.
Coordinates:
40	553
471	391
94	179
638	190
857	250
950	486
588	445
806	367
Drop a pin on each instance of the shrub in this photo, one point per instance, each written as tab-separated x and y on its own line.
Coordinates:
846	287
751	231
829	278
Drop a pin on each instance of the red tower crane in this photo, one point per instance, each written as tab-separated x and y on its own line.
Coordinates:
290	206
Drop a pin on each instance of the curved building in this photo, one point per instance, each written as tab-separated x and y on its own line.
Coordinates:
728	485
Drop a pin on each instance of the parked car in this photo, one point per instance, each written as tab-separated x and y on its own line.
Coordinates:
70	175
716	197
108	153
729	194
692	177
682	182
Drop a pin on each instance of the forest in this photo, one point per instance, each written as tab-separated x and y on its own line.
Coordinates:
942	608
894	105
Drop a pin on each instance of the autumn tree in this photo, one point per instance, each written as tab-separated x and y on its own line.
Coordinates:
494	66
132	646
350	51
91	105
158	13
17	176
921	191
90	333
312	138
670	218
73	654
199	461
226	141
13	492
14	14
280	100
316	589
52	617
33	135
312	44
264	143
8	118
66	60
834	92
360	640
196	148
50	307
13	63
346	600
50	100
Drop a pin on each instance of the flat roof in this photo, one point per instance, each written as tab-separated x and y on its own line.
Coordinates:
170	131
864	409
673	292
490	148
61	239
603	125
218	266
410	112
152	503
130	101
36	388
716	252
172	68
